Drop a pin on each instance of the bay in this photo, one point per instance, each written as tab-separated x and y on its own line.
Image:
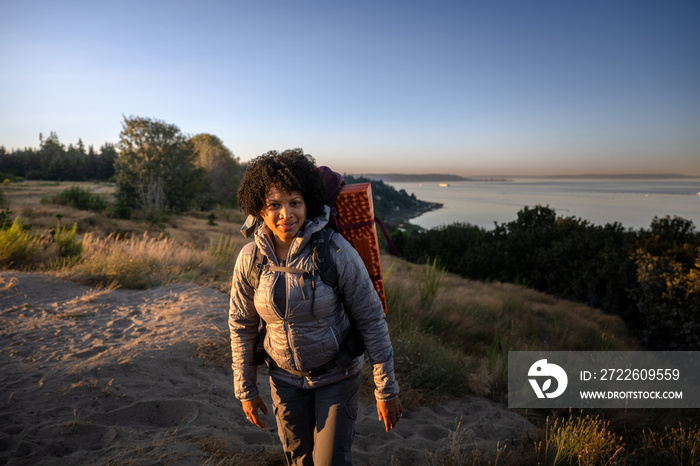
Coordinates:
631	202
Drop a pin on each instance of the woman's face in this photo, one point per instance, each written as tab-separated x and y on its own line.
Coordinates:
284	215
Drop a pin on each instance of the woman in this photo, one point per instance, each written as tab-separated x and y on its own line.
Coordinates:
315	399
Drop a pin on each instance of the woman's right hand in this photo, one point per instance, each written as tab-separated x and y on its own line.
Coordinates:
250	408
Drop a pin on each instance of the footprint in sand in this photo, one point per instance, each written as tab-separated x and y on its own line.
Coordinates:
90	353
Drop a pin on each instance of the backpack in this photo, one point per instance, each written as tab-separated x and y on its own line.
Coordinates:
333	182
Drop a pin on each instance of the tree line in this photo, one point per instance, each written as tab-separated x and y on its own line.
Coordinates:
54	162
649	277
157	168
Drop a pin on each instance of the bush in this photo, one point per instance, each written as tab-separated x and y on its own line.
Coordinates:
79	198
649	277
16	244
5	219
68	247
120	209
669	302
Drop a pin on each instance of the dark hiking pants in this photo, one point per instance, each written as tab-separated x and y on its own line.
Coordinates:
317	425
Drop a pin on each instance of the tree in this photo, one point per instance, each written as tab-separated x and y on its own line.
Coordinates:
155	168
668	302
223	171
104	162
53	158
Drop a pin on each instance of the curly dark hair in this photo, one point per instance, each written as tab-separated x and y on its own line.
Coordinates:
290	170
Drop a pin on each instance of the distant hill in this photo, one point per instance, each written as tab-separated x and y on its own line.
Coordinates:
400	178
441	177
392	205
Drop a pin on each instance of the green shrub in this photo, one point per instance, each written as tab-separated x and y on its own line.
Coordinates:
120	209
668	294
79	198
68	246
211	219
16	244
5	219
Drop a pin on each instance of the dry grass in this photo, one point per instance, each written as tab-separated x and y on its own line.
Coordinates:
93	294
580	440
675	445
461	340
134	262
454	452
6	285
220	454
451	335
216	351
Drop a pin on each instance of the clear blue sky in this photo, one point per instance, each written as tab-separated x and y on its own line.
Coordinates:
465	87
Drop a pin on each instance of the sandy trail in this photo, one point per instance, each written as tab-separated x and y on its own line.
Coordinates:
104	376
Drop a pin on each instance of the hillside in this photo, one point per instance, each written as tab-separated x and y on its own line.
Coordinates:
394	206
122	355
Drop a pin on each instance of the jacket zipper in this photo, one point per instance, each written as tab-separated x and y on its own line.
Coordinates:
282	313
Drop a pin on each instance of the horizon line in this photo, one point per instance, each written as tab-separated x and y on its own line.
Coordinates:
585	175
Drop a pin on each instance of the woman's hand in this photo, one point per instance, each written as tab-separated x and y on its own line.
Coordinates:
390	412
250	408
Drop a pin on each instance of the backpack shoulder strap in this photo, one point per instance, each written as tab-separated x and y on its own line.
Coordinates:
256	267
322	257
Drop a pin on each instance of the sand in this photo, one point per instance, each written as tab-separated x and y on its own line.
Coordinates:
109	376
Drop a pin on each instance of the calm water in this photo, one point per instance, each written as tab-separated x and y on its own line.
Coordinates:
633	203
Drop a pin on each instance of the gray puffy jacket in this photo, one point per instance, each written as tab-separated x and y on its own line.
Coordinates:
298	339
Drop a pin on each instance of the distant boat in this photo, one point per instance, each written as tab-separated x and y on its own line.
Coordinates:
444	185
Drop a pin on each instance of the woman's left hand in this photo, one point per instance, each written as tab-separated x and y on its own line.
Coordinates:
390	412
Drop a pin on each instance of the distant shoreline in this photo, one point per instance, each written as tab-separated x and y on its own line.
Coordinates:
630	176
431	177
438	177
